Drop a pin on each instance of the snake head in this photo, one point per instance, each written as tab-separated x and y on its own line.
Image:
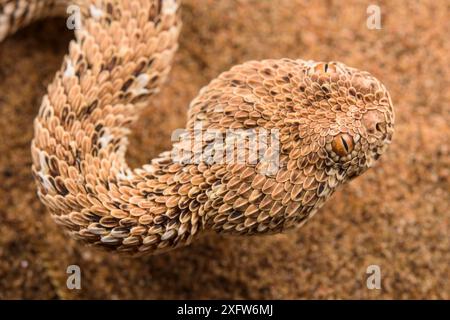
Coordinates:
352	110
333	122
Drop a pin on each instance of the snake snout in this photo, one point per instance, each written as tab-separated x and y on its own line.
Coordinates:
375	123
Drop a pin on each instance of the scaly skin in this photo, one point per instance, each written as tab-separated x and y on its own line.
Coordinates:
327	123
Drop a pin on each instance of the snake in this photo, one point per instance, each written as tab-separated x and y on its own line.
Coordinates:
265	145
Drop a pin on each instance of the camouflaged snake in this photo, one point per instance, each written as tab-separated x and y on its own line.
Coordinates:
332	122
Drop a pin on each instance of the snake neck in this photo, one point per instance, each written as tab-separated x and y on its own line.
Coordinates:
121	55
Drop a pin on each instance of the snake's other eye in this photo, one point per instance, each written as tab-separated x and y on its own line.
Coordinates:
342	144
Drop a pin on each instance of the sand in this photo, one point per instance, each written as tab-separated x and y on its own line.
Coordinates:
396	216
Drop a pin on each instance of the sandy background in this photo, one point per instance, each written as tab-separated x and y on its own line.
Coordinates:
396	216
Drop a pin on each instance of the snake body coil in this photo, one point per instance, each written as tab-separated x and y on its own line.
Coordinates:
327	124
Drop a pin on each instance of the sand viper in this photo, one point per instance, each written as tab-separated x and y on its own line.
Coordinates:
265	145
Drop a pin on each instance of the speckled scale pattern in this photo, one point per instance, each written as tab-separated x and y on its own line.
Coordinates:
333	122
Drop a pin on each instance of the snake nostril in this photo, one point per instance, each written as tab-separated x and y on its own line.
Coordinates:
374	122
381	127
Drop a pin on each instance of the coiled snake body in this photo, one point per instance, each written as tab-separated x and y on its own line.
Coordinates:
329	123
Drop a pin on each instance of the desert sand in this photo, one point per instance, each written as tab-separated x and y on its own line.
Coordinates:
396	216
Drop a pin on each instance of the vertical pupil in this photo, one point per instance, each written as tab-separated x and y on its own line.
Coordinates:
342	144
345	144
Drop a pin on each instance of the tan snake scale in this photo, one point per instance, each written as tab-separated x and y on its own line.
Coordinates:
332	123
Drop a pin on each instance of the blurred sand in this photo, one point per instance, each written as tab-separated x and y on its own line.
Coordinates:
396	216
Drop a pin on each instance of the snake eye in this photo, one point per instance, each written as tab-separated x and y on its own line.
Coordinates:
342	144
